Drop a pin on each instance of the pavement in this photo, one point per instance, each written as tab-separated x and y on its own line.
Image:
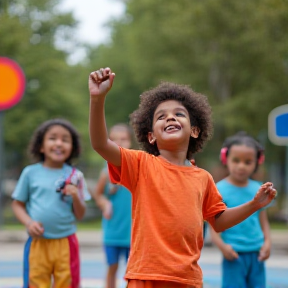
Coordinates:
86	238
93	263
93	238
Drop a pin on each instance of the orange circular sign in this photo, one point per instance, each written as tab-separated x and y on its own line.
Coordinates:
12	83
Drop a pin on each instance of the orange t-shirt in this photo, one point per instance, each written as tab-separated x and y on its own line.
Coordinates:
169	203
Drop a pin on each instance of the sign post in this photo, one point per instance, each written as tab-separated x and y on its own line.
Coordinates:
278	134
12	87
1	166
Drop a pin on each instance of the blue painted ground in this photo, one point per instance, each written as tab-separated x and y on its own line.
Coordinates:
93	274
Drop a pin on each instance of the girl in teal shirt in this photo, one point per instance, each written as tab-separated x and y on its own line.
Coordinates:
247	245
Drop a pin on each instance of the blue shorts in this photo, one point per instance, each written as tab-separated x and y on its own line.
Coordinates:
245	272
113	253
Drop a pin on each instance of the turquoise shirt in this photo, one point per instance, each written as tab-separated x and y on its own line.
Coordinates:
36	187
117	230
246	236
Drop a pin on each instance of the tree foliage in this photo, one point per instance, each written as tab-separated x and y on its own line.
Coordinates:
234	52
29	33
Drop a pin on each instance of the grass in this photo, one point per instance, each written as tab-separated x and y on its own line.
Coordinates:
89	225
278	226
96	225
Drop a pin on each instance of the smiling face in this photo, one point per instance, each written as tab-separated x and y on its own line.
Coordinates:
56	146
171	126
241	163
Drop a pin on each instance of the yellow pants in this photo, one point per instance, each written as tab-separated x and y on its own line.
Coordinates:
48	261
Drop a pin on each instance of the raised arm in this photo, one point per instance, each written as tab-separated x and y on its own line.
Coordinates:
232	216
100	82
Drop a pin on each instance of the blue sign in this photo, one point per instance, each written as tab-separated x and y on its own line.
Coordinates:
278	125
282	125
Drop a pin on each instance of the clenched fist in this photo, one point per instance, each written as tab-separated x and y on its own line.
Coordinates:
100	82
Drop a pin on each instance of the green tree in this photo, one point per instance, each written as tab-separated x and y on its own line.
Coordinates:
29	35
234	52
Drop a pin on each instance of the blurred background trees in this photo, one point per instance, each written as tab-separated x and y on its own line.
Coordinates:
234	52
29	34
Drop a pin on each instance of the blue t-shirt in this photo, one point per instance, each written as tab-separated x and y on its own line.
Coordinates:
117	229
36	187
246	236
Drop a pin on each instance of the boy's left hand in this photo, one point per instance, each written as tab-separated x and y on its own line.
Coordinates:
264	252
71	190
265	195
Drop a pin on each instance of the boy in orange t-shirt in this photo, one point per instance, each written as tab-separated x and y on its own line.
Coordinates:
170	196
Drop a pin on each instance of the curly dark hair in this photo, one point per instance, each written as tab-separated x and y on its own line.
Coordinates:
38	136
242	138
196	104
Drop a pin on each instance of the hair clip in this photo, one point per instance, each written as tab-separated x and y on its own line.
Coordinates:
261	159
223	155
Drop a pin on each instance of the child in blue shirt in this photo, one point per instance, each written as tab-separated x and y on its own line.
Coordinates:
115	203
50	195
247	245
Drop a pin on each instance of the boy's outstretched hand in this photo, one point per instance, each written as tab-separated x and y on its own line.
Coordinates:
265	195
100	82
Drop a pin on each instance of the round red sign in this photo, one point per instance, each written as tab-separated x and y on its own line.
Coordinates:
12	83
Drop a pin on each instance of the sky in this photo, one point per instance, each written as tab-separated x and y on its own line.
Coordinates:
92	15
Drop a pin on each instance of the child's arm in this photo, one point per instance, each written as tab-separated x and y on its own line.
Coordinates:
101	201
265	249
232	216
228	252
34	228
79	206
100	82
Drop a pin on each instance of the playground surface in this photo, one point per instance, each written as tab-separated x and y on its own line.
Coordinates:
93	266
